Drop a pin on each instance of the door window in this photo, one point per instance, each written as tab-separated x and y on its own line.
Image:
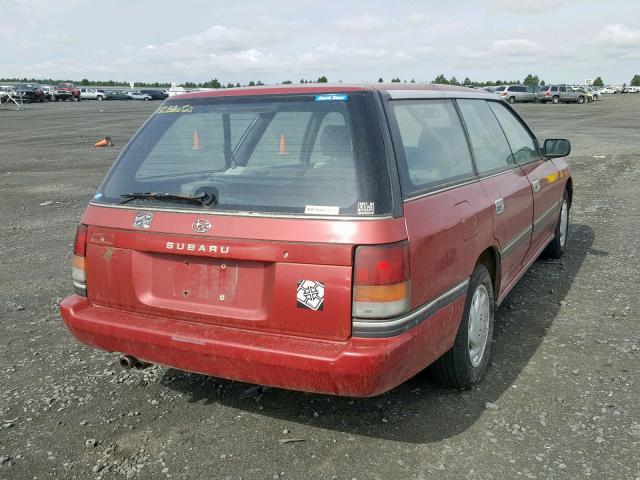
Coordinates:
490	148
523	146
434	143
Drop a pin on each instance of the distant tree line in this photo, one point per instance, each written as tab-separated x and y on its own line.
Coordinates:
530	79
84	82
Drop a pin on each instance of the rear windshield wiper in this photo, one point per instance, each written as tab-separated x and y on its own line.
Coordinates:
207	199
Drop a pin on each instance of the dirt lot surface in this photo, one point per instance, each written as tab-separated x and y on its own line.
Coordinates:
560	400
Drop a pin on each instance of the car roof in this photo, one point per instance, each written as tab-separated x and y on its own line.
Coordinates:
395	90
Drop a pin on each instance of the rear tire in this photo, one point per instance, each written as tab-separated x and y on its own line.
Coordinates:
512	99
558	245
580	100
466	362
99	98
555	100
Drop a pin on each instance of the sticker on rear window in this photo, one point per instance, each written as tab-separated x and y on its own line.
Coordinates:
310	295
332	97
366	208
173	109
321	210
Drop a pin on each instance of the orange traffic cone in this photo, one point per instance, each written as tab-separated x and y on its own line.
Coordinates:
283	145
196	141
105	142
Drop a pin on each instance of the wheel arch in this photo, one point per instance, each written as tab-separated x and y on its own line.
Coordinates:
569	189
490	258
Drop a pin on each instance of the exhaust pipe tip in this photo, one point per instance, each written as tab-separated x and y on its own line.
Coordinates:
127	362
140	365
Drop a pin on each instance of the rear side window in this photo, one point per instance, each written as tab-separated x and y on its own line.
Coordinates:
433	142
523	146
294	154
490	147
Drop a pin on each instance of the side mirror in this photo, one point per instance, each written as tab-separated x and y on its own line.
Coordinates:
556	148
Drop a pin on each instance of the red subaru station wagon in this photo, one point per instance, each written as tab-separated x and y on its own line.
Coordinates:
334	239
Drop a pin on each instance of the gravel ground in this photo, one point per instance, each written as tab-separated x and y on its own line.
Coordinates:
560	399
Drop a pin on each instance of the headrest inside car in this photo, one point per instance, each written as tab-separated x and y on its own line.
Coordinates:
335	141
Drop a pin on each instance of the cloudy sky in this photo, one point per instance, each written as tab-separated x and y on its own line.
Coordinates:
237	41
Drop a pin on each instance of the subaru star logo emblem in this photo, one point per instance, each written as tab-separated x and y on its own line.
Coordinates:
201	226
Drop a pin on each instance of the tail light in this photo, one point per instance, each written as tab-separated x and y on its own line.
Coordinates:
504	94
381	281
79	263
548	93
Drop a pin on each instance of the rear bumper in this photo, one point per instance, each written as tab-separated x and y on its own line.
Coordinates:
359	367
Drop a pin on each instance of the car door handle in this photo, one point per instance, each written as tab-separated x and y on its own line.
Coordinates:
536	186
499	203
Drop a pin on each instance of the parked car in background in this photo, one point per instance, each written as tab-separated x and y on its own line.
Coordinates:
92	94
338	266
633	89
607	90
595	92
137	95
116	95
584	91
30	92
6	91
516	93
48	91
66	91
155	94
560	94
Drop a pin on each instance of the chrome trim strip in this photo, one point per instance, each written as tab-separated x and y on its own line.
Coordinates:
477	178
501	172
509	247
390	327
440	190
418	94
542	218
243	214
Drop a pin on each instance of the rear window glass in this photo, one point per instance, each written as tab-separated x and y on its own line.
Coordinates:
296	154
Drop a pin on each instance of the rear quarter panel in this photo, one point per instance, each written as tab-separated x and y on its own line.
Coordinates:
447	233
